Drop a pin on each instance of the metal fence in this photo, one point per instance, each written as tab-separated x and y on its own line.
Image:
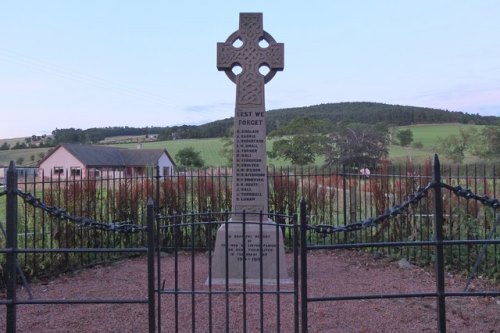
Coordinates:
335	196
437	245
12	250
427	214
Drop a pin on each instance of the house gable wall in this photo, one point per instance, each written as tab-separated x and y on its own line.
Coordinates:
165	162
61	158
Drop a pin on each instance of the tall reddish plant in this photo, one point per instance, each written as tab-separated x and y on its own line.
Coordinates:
380	187
320	192
81	197
173	195
211	194
283	193
128	200
78	198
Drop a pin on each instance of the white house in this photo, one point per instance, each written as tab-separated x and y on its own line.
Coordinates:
81	161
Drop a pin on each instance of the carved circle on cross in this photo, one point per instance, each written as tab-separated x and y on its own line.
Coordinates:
234	37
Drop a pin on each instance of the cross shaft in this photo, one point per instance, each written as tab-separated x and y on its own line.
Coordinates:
250	193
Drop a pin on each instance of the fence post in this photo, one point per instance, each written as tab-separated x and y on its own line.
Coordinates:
151	267
438	231
303	264
11	244
157	188
344	199
296	272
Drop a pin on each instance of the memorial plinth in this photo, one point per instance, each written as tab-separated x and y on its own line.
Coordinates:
250	247
249	243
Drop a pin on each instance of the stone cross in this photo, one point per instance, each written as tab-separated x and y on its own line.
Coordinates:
249	185
253	251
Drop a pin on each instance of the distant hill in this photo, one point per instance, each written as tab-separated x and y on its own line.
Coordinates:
358	112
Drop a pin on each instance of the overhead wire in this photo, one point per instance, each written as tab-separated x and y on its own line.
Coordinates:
85	78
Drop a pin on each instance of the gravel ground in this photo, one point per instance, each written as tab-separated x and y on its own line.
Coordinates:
330	274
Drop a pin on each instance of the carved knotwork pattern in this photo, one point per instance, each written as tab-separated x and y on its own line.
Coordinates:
251	26
226	55
251	89
250	56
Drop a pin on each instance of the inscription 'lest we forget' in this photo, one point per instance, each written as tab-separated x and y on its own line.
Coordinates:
249	164
249	157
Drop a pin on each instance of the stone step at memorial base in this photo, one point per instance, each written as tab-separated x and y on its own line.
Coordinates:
269	236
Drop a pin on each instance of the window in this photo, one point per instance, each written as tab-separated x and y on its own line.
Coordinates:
75	171
58	171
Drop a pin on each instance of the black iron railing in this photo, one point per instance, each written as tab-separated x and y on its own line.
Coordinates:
438	242
418	213
337	198
11	251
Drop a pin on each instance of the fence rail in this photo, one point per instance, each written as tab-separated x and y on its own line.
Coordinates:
438	243
427	214
11	252
337	197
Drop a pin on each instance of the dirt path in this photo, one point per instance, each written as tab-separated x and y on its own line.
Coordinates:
330	274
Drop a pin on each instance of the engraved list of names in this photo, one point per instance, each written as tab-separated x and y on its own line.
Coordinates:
249	162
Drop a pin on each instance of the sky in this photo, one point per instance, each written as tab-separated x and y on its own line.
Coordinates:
97	63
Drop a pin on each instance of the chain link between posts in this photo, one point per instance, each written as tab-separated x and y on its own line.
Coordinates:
128	227
413	200
82	222
468	194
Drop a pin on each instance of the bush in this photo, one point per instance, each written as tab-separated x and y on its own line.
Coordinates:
188	157
418	145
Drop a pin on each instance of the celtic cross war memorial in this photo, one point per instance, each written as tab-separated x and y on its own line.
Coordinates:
251	245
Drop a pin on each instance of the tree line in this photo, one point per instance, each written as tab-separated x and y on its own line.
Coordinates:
341	113
370	113
347	112
360	145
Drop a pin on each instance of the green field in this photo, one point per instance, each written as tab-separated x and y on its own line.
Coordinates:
12	141
210	149
429	134
13	155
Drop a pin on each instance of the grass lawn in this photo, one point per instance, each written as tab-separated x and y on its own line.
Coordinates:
429	134
210	149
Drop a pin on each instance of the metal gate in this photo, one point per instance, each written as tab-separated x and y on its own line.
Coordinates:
190	297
